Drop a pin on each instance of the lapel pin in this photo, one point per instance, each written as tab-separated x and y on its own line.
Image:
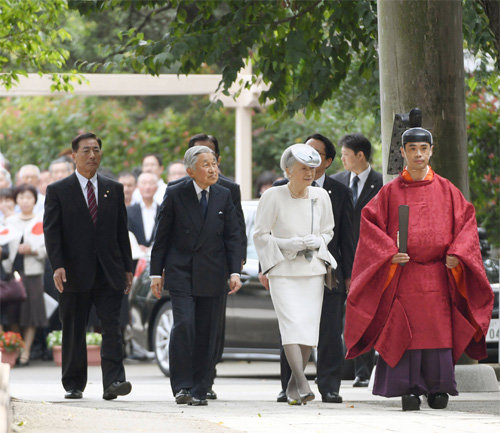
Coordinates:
372	186
106	194
329	191
220	212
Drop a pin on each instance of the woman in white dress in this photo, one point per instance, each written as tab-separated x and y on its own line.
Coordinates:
293	226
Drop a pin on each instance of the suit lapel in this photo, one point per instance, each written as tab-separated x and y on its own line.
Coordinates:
213	204
191	203
103	200
367	191
76	195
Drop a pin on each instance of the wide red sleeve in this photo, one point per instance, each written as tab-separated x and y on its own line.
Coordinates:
471	293
370	294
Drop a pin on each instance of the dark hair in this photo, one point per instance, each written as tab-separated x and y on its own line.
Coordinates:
329	147
267	177
7	193
23	188
127	174
76	141
204	137
357	143
154	155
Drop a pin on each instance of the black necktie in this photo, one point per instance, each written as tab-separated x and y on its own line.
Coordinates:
204	203
354	189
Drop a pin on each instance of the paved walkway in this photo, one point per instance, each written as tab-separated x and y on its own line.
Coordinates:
245	404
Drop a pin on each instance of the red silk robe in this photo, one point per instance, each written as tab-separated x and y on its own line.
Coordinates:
422	305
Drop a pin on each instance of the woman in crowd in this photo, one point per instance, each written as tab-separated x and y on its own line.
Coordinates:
293	226
29	262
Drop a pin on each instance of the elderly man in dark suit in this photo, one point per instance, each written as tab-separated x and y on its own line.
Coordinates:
330	346
211	142
364	183
85	226
196	248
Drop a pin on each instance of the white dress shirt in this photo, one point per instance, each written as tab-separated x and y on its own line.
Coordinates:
83	184
148	218
362	179
320	181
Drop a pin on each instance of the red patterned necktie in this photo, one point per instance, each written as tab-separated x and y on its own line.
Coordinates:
91	201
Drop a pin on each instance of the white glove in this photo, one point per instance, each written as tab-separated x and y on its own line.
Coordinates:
292	244
312	242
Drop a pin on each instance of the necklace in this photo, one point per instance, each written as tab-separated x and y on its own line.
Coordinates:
304	195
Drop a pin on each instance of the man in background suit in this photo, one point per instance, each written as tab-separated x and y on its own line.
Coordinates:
330	347
142	216
86	236
196	248
211	142
364	183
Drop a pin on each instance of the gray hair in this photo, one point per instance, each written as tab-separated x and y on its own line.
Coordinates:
61	160
29	166
7	176
289	162
192	153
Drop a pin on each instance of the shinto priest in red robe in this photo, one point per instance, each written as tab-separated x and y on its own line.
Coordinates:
422	316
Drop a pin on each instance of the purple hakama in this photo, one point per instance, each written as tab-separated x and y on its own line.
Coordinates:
420	371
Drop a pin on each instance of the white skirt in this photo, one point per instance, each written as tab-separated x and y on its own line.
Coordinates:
298	302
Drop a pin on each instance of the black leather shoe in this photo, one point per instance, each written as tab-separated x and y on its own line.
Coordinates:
331	397
438	400
197	402
360	383
73	394
410	402
183	396
116	389
281	397
211	395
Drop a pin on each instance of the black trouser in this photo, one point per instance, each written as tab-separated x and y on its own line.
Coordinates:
221	335
193	342
330	348
74	310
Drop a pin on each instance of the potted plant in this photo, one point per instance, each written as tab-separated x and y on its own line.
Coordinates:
93	339
11	343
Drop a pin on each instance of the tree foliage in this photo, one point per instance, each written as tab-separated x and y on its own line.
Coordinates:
301	49
483	132
31	40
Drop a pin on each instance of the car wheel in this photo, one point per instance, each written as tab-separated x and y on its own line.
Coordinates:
161	336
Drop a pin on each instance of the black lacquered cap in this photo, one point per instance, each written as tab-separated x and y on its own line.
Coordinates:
415	135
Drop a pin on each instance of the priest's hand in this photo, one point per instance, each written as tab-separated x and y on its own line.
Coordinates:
451	262
400	258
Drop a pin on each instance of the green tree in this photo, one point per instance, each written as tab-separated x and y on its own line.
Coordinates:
31	40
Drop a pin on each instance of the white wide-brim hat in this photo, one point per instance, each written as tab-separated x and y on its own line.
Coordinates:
303	153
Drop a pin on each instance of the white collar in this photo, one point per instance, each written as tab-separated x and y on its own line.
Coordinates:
198	189
83	180
362	176
320	181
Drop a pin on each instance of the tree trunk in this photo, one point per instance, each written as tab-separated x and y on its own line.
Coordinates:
421	65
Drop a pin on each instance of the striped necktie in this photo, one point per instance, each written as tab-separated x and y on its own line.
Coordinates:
91	201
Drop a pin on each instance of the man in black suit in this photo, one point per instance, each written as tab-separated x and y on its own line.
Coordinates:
212	143
364	183
196	248
330	347
85	226
142	216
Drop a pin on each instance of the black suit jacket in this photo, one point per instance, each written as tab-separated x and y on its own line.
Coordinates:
342	245
372	186
197	254
136	224
74	243
234	188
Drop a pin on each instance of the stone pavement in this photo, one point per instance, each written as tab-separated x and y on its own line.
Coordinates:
247	403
